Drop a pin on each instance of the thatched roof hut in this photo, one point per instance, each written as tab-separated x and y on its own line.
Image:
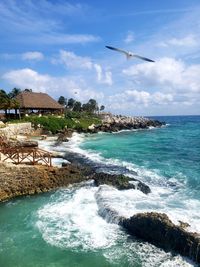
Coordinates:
38	101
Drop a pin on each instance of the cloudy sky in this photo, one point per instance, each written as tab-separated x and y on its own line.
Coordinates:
58	47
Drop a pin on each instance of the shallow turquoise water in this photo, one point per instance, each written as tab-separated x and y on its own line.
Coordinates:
22	244
64	228
172	151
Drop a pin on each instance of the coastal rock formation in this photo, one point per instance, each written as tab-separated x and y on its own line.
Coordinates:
112	123
121	182
19	144
152	227
157	229
64	135
28	180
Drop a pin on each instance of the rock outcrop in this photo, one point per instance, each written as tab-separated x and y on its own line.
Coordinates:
152	227
121	182
159	230
112	123
28	180
64	135
19	144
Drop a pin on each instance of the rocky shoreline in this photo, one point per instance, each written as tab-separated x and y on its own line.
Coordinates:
115	123
152	227
28	180
24	180
159	230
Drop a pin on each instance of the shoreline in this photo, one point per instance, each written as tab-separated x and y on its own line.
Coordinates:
68	168
44	179
26	180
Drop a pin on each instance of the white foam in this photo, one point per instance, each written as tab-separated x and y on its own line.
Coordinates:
164	200
59	161
133	252
72	221
173	202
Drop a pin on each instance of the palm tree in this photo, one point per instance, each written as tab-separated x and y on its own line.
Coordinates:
77	106
4	101
14	92
71	103
7	101
102	107
62	100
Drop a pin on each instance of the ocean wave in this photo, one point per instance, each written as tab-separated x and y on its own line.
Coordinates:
168	196
134	252
114	204
71	221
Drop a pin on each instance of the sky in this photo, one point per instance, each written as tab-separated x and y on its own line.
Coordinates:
58	47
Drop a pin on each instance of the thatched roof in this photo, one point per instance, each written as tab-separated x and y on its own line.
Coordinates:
30	100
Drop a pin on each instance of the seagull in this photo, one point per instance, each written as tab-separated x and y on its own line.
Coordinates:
129	54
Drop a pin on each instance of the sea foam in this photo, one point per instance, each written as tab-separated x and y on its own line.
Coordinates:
71	221
164	198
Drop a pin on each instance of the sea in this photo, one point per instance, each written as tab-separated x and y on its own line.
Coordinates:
71	227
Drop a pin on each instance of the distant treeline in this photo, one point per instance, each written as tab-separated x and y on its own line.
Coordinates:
71	104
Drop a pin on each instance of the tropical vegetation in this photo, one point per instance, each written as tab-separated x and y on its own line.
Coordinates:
78	116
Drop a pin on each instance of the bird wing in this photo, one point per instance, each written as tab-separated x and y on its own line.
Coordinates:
129	54
117	49
144	58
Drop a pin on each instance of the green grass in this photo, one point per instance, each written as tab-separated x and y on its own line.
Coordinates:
79	122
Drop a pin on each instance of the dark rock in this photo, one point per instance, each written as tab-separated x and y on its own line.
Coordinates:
157	229
65	164
64	135
18	144
121	182
183	225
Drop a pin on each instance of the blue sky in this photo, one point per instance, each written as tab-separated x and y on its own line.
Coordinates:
58	47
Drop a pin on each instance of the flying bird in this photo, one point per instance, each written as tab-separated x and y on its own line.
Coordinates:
129	54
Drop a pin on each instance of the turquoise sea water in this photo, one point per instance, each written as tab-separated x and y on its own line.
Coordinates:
65	228
173	151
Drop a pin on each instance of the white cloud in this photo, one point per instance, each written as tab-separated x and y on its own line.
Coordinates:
61	38
129	101
108	78
33	56
27	78
129	38
67	86
103	77
162	99
138	97
188	41
73	61
167	74
132	98
99	71
171	87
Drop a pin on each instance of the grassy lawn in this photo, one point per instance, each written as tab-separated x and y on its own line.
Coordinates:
52	123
